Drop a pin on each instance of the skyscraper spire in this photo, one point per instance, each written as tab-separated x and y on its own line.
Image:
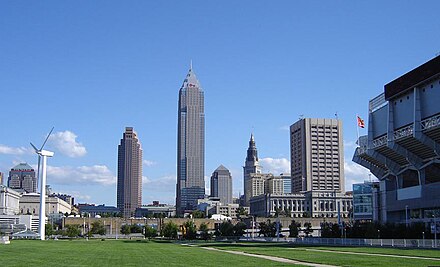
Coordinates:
191	65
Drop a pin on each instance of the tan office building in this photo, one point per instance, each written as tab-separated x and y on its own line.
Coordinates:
129	191
317	158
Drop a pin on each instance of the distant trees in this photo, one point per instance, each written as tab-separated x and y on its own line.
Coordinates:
228	229
125	229
169	230
267	229
72	230
294	228
307	228
98	228
49	229
330	230
149	232
204	231
198	214
189	230
241	212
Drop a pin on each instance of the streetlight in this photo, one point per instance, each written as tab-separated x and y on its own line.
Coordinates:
423	235
378	233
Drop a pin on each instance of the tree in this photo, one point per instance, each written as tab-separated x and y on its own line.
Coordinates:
308	228
135	228
198	214
294	229
98	228
204	232
268	229
226	228
241	212
72	230
49	229
190	230
125	229
239	229
169	230
150	232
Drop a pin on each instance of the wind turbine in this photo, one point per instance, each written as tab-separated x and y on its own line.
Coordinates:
42	154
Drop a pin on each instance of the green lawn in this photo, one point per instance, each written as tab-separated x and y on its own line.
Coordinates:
302	253
117	253
141	253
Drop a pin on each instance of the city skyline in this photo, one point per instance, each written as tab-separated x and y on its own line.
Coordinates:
263	67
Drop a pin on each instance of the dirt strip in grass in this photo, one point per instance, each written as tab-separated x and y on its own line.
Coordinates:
367	254
272	258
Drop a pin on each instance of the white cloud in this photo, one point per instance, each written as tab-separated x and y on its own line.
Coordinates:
285	128
275	166
354	173
15	150
65	142
79	197
149	163
349	144
162	189
82	175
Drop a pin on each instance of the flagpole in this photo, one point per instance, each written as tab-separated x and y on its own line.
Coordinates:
357	128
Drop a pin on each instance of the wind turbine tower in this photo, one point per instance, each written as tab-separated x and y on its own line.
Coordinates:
43	154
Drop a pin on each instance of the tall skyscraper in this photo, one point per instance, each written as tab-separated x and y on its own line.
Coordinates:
221	185
317	158
23	177
251	165
190	145
129	195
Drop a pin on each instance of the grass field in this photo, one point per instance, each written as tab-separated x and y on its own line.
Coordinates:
322	255
116	253
142	253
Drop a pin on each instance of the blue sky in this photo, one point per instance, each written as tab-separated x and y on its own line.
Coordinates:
91	68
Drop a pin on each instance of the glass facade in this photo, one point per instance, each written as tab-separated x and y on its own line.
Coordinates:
363	201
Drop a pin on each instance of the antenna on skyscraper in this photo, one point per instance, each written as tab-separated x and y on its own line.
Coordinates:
336	115
191	64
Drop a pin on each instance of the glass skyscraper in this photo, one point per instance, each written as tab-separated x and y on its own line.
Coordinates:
190	145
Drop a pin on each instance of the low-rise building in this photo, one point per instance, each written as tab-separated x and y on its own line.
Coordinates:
363	200
155	210
16	223
102	210
9	201
313	204
30	204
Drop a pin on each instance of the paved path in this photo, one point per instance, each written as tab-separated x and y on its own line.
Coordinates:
369	254
272	258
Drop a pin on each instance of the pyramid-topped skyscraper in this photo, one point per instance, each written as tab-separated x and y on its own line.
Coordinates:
190	145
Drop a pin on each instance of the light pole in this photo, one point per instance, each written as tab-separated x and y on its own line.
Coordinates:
406	216
435	230
423	235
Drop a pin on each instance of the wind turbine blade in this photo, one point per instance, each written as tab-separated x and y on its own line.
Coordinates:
36	150
47	138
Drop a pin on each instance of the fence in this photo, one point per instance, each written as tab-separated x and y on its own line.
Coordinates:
398	243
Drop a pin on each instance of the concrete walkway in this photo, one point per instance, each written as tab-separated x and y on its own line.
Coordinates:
368	254
272	258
